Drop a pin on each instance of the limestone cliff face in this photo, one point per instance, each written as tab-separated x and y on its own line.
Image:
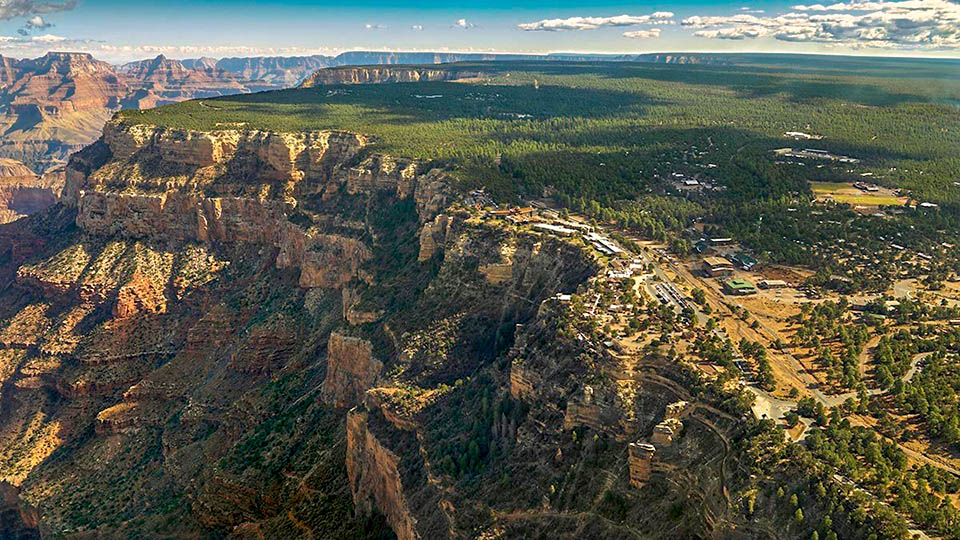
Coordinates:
23	193
374	476
351	370
384	74
235	186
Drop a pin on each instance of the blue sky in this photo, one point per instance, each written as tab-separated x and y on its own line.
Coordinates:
118	30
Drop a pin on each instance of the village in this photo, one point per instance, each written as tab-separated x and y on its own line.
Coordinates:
719	292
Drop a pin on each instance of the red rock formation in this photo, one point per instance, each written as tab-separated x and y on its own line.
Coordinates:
18	520
375	478
351	370
23	193
169	80
640	458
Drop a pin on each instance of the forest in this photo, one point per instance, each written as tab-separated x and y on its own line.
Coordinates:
608	139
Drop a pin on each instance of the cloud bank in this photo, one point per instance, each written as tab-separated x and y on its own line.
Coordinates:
592	23
652	33
11	9
907	24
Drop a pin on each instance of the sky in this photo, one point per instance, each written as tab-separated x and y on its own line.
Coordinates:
123	30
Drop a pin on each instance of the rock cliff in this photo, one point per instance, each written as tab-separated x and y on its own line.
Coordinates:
23	193
351	370
380	74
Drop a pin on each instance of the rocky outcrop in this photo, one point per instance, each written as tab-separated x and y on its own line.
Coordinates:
140	295
351	370
432	236
381	74
161	80
266	72
375	477
23	193
640	459
522	381
354	315
18	520
272	156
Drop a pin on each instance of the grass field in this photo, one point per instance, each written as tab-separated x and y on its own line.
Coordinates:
843	192
869	200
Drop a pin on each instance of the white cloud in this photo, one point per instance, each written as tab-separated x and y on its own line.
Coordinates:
48	38
463	23
38	22
11	9
643	34
369	26
592	23
417	27
906	24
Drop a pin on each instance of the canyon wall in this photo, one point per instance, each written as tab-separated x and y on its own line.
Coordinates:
236	186
23	193
378	74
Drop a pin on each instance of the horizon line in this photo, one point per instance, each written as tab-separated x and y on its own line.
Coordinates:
523	53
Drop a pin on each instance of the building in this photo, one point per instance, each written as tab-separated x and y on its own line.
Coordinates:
738	287
772	284
555	229
717	266
603	244
721	241
640	457
744	261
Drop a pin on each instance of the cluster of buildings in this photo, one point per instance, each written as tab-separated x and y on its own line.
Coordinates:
697	182
549	221
518	215
603	244
722	267
814	153
479	198
705	245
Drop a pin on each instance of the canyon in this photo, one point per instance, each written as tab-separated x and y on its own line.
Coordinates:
241	327
257	334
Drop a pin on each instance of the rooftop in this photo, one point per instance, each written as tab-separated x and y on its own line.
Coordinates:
716	261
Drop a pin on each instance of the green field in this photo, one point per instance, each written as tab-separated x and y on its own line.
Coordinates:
843	192
607	137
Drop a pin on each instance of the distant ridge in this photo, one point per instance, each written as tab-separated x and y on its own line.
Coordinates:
286	71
